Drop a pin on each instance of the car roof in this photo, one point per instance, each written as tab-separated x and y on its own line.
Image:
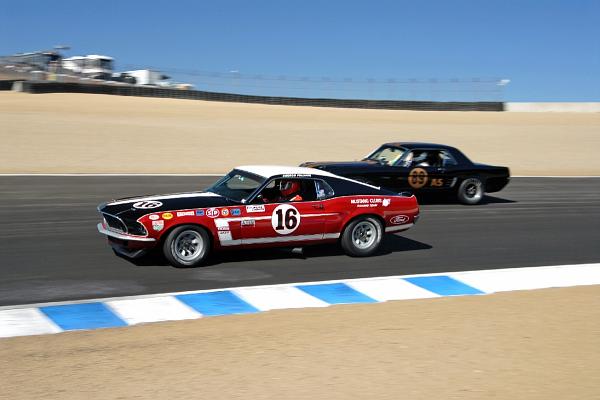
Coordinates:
268	171
416	145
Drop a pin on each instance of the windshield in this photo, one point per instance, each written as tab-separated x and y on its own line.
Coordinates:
236	185
387	155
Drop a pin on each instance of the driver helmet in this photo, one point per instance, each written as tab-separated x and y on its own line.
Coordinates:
289	188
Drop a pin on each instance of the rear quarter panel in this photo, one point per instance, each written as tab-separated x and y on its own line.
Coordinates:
390	209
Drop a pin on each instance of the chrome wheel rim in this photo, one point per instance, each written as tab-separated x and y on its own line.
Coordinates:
188	245
473	189
364	234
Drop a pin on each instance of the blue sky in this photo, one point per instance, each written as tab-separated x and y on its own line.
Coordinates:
550	50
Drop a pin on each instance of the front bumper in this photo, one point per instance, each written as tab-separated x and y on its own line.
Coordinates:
123	236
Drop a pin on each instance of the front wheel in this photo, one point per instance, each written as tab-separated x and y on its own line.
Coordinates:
362	237
471	191
187	246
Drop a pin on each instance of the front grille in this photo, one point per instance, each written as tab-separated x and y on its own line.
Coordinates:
135	228
114	223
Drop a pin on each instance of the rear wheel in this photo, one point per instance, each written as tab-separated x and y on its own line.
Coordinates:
471	191
187	246
362	237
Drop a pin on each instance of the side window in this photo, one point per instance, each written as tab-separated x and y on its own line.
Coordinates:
324	191
284	190
424	158
447	158
268	193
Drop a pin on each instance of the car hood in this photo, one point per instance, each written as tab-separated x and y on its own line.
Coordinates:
135	207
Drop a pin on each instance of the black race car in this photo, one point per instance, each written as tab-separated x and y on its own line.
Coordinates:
424	168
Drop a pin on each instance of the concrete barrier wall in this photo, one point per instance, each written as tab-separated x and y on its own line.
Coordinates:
552	107
7	85
130	90
101	87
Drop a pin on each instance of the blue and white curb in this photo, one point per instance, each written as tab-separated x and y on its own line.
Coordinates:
49	318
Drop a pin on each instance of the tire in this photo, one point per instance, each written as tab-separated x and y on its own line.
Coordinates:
362	237
471	191
187	246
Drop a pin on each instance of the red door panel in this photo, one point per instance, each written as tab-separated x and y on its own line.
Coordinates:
282	222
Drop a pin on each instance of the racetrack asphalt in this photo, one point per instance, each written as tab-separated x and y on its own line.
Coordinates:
50	249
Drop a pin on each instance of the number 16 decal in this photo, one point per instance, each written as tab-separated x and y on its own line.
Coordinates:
285	219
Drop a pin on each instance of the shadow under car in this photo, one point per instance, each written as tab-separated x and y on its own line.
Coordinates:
391	243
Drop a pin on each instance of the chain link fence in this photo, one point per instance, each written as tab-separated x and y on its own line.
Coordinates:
428	89
485	94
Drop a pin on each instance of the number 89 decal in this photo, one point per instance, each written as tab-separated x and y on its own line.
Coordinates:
285	219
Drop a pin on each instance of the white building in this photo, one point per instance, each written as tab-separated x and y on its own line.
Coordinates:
90	66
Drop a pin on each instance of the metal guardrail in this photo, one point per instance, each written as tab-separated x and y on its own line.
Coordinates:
101	87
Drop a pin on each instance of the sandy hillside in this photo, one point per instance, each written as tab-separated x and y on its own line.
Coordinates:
521	345
111	134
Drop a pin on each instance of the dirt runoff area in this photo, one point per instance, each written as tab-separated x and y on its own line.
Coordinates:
82	133
522	345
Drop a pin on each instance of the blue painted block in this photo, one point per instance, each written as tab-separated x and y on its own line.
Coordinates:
83	316
443	285
336	293
217	303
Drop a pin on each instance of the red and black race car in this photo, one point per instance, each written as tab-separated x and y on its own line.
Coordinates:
258	206
423	168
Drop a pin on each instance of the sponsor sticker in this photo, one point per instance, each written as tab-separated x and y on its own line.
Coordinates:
248	222
147	204
153	217
199	213
222	224
212	212
399	219
185	213
386	202
158	225
255	208
225	235
236	212
225	212
167	216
